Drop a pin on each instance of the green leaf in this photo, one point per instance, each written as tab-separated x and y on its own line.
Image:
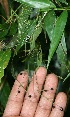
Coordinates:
36	33
49	23
62	51
62	55
62	1
27	34
4	59
38	3
4	93
34	59
63	43
57	33
13	29
39	57
3	30
27	27
23	26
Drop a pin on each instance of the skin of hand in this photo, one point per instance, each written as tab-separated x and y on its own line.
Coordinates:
39	100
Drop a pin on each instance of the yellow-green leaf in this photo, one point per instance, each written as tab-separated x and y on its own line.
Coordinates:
4	59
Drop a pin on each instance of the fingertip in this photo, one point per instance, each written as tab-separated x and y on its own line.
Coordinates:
52	76
51	81
40	73
59	105
61	99
22	75
41	70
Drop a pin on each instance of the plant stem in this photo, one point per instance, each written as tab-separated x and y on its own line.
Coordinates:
59	9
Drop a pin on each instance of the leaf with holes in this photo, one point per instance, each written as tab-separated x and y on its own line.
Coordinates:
23	26
27	34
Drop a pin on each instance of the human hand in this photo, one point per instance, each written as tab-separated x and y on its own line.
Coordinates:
35	102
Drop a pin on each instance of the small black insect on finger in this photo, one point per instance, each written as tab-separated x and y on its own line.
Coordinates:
18	91
29	96
21	73
51	89
61	108
45	90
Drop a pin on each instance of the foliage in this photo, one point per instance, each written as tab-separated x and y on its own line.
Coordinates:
34	33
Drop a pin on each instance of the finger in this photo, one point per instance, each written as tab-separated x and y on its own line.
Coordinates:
32	96
59	105
13	116
15	100
45	104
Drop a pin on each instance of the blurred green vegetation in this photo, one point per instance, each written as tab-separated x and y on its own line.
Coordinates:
33	34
